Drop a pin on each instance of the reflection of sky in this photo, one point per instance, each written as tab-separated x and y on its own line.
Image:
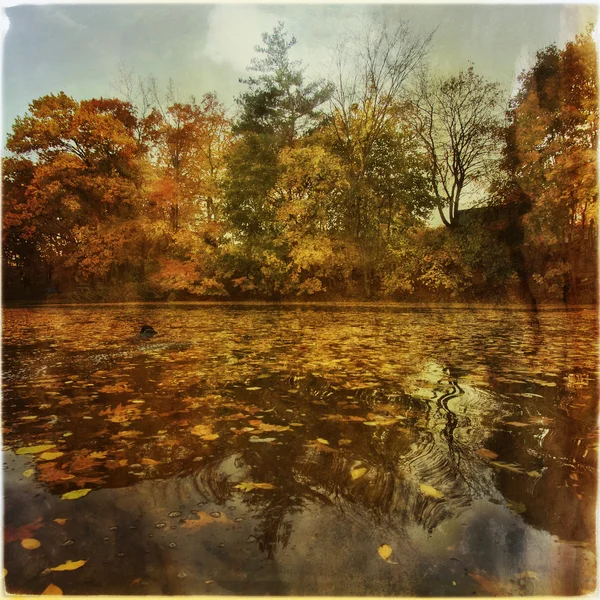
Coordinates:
77	49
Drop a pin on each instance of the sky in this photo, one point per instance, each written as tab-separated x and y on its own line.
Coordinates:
206	47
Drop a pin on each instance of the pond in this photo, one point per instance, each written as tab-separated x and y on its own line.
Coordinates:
300	450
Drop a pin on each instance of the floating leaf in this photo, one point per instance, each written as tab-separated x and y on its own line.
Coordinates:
358	472
516	423
60	521
384	551
255	439
70	565
344	442
20	533
52	590
75	494
249	486
50	455
508	466
35	449
28	473
322	441
210	437
430	491
206	519
534	474
487	453
253	389
202	430
98	454
149	461
30	543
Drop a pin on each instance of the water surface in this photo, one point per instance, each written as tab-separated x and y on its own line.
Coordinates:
287	449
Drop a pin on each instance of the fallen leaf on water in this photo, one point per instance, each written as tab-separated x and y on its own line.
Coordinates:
358	472
384	551
76	494
202	430
344	442
50	455
52	590
322	441
516	423
206	519
430	491
249	486
24	531
30	543
98	454
149	461
70	565
380	422
534	474
487	453
508	466
28	473
60	521
35	449
210	437
253	388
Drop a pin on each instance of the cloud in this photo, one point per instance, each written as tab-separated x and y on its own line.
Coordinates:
233	31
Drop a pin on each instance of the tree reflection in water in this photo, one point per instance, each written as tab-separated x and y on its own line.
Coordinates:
465	440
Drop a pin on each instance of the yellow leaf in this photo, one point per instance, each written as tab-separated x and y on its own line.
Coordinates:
534	474
98	454
70	565
202	430
28	472
248	486
52	590
50	455
430	491
35	449
384	551
358	472
30	543
210	437
60	521
76	494
149	461
264	486
344	442
322	441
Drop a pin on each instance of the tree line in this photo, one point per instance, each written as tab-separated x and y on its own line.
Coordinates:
314	188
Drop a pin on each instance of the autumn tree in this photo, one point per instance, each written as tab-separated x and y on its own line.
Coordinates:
71	181
552	143
370	134
458	120
277	110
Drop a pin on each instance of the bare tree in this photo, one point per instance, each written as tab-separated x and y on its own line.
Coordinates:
458	120
371	73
